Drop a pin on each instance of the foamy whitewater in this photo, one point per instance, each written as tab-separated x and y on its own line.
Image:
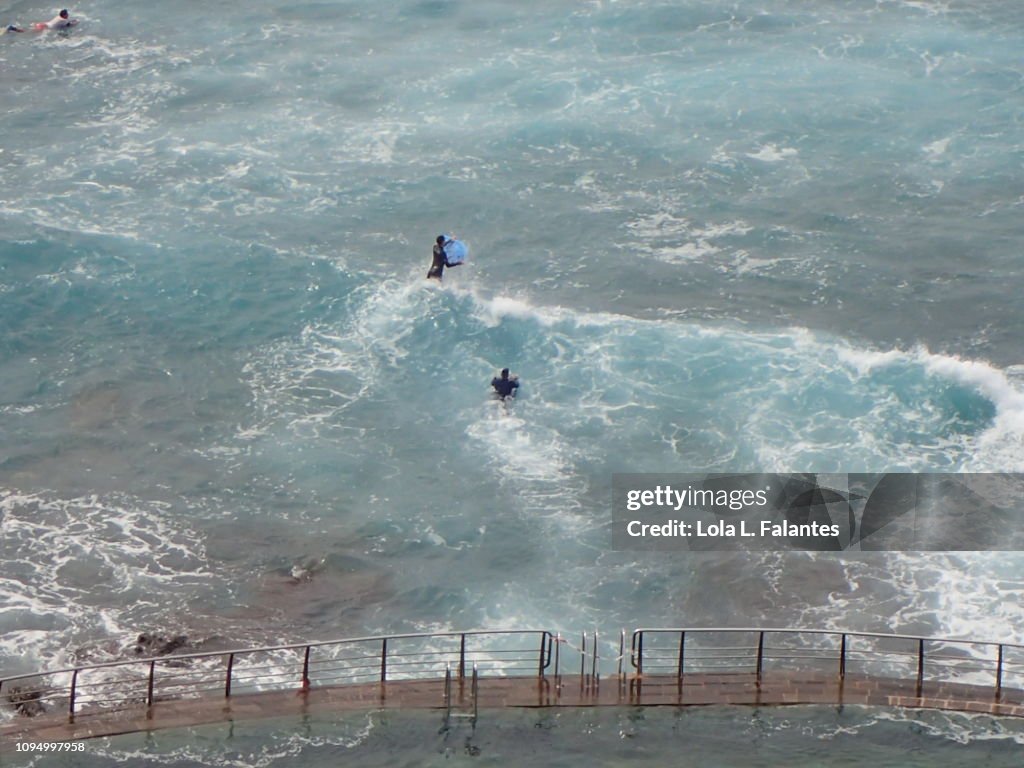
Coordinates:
709	236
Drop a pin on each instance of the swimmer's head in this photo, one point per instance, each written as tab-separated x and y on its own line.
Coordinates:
504	373
64	13
440	239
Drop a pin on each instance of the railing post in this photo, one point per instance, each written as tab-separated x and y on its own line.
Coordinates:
475	691
558	654
384	660
540	657
305	670
227	676
640	654
760	655
583	657
447	693
622	653
842	657
682	644
999	672
462	656
593	661
920	665
71	704
149	687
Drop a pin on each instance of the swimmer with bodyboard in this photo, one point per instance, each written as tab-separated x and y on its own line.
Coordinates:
60	21
448	252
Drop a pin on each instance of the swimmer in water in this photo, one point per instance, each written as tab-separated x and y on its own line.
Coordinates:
12	28
440	258
60	21
505	386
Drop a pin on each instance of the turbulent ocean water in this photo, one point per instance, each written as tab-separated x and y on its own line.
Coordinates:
757	235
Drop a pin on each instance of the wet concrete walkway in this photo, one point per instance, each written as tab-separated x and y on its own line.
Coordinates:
495	693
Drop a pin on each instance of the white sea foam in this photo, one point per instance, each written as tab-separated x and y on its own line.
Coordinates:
275	745
999	447
61	550
326	370
392	311
675	239
958	727
937	148
769	153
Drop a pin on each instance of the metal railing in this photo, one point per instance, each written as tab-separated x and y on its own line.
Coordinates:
730	651
102	689
121	686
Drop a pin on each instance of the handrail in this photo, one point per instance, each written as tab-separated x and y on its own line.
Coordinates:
834	632
268	648
235	675
666	658
653	652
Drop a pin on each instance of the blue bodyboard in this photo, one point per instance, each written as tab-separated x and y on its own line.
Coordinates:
456	251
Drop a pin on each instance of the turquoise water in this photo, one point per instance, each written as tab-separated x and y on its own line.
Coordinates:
703	737
709	236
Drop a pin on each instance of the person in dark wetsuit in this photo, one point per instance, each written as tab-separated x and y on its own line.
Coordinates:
440	259
505	386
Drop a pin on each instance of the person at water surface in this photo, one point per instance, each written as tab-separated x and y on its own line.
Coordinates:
505	385
440	258
61	21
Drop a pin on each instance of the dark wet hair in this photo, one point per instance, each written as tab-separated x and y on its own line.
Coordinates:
440	239
504	372
64	13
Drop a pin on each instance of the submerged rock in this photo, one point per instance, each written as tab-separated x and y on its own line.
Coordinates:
26	701
157	645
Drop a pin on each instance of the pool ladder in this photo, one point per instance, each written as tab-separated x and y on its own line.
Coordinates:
463	713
